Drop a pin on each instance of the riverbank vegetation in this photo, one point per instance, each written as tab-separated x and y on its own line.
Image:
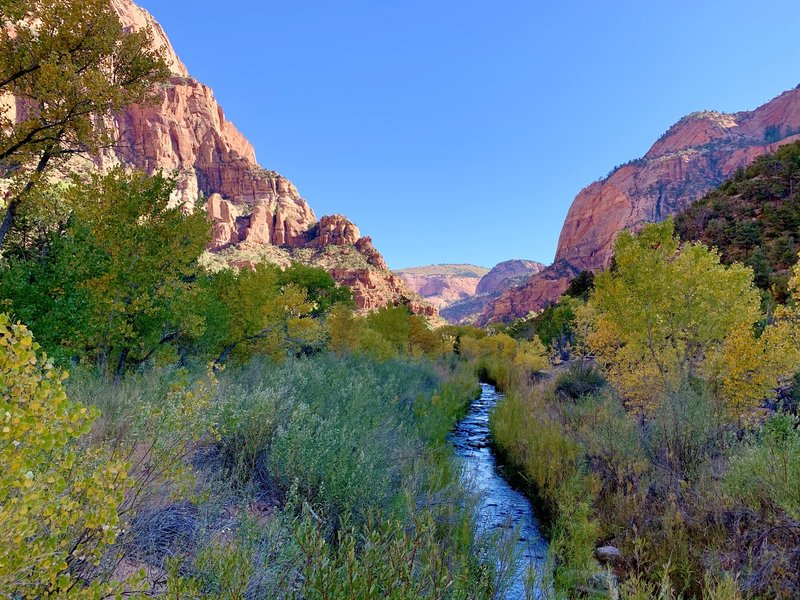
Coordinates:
244	434
237	434
665	437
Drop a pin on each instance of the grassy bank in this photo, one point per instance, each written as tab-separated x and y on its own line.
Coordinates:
696	508
319	477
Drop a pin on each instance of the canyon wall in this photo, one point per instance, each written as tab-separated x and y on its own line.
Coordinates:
695	155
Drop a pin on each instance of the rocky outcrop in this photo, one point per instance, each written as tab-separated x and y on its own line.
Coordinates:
695	155
373	289
505	274
223	215
370	253
334	230
249	207
534	294
186	132
135	18
501	277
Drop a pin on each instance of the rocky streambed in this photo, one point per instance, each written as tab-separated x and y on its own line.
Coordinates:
501	510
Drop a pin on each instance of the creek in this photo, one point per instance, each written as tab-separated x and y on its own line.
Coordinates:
501	510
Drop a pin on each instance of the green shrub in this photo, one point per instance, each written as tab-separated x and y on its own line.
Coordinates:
766	472
579	380
684	433
58	498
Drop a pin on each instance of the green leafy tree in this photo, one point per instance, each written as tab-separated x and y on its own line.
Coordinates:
663	309
581	286
320	287
120	284
250	311
392	323
69	63
58	500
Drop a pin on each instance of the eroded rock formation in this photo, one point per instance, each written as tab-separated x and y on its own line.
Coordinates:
506	274
695	155
187	133
442	285
493	282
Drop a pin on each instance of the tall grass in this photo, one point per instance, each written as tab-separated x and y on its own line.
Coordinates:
696	510
314	478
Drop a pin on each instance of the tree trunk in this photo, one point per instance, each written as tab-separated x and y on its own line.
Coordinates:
224	355
8	218
13	203
123	359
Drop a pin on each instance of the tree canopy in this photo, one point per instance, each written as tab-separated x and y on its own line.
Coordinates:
68	64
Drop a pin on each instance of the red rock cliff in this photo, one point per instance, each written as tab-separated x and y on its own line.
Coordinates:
187	132
695	155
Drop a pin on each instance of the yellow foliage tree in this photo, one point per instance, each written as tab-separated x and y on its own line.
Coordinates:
345	330
503	359
663	310
749	366
58	504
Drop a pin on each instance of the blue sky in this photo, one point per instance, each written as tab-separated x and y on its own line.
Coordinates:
460	131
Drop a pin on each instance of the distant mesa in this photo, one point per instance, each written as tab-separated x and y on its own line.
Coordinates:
694	156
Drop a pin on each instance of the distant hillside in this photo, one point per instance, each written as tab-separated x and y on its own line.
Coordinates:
442	285
451	270
754	218
462	291
503	276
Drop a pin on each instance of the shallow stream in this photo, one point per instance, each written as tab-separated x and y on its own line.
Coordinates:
501	510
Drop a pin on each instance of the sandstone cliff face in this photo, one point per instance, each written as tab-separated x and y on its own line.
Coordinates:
695	155
505	274
532	295
250	208
187	132
441	285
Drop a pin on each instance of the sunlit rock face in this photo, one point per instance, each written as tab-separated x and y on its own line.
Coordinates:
185	133
694	156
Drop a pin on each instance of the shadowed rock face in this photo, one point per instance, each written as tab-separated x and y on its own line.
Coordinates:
695	155
534	294
186	132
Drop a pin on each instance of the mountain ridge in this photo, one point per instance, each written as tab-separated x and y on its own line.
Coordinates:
693	156
186	132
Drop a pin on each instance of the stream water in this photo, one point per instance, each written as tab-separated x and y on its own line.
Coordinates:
501	510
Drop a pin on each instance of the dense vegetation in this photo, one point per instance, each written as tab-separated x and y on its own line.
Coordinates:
222	434
171	431
655	441
754	218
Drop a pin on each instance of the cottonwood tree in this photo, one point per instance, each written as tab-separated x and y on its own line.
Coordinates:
64	66
119	283
252	311
663	309
749	366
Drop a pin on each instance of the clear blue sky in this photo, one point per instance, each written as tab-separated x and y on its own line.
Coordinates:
460	130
